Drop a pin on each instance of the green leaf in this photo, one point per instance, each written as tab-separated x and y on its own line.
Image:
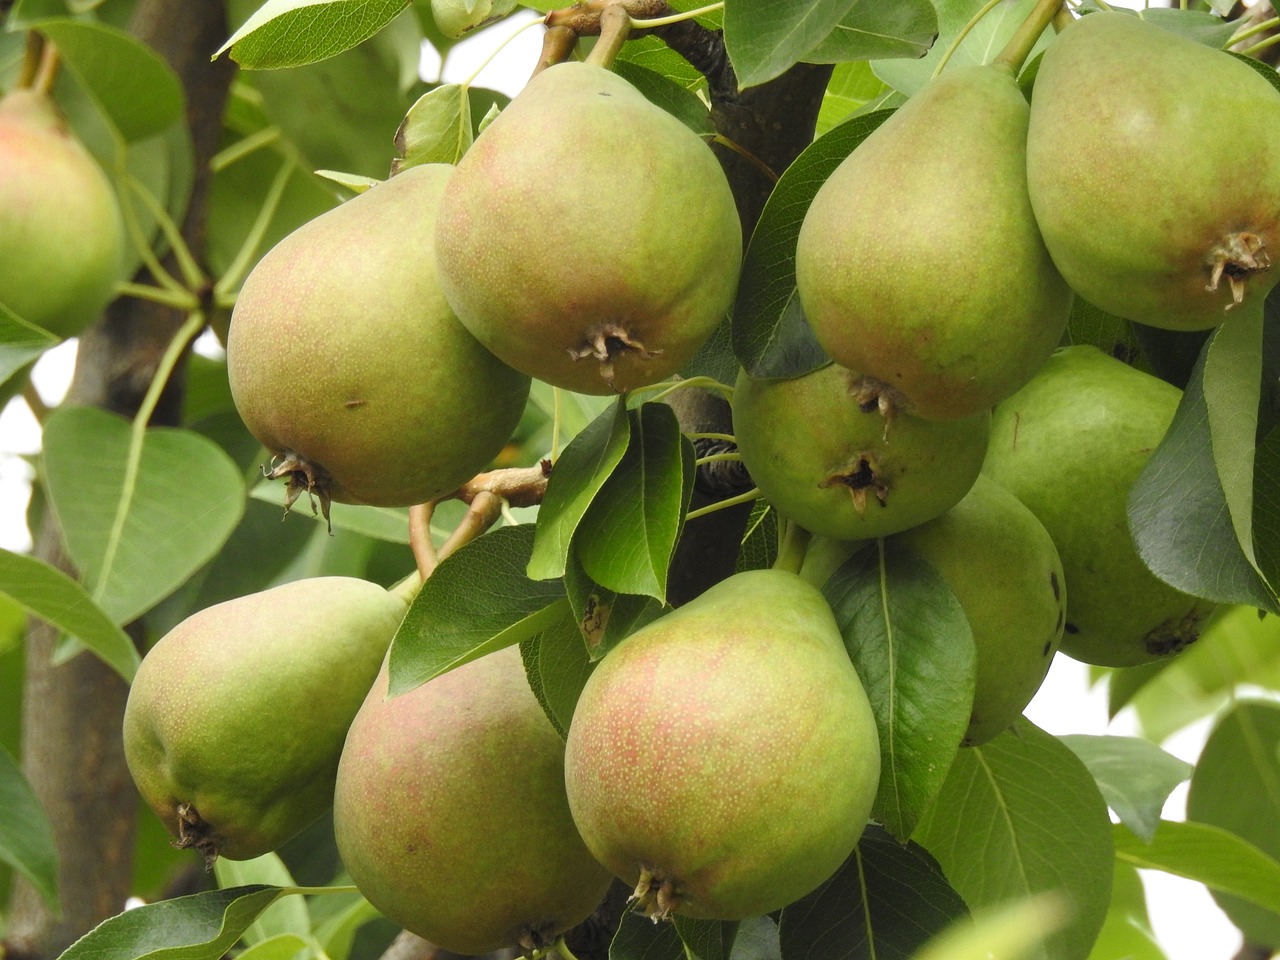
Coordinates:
655	56
1127	930
851	87
20	342
283	946
26	836
882	904
1210	855
1009	931
138	518
759	547
202	926
563	667
981	44
336	933
671	96
1236	786
629	533
1232	385
640	939
757	939
57	599
286	917
289	33
1092	325
763	40
912	646
582	469
136	90
1178	513
478	600
879	31
706	939
602	616
1134	775
1020	815
437	128
771	336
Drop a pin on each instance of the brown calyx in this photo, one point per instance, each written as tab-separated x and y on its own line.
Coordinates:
861	477
534	939
194	831
1238	257
873	395
655	896
303	477
607	344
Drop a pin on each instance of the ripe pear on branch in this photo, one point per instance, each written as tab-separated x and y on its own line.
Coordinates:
61	236
588	237
1173	247
348	365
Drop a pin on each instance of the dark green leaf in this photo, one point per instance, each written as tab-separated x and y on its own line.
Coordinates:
1134	775
26	836
1112	335
629	533
289	33
478	600
1232	384
770	333
1021	815
54	597
336	933
652	54
764	39
602	616
563	668
1236	786
1210	855
437	128
909	639
757	939
879	31
20	342
579	473
1178	513
136	90
1199	25
887	900
138	518
670	95
282	946
851	87
706	939
641	939
199	927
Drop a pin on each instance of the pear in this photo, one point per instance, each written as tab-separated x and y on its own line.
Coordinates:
1004	569
1069	445
841	471
347	364
61	236
1111	107
236	718
589	238
450	812
456	18
724	758
919	263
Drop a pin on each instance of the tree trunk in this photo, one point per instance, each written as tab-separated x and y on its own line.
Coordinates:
72	752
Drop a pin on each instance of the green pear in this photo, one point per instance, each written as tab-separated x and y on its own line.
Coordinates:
843	472
236	718
724	758
347	364
1003	567
589	238
1069	445
450	812
61	236
919	263
1112	105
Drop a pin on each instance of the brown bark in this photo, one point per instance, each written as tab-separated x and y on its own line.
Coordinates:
71	746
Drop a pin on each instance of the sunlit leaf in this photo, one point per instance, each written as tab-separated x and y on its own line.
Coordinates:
26	836
764	39
286	917
289	33
20	342
879	31
437	128
1134	775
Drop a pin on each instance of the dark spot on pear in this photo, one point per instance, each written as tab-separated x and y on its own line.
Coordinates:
1072	628
1053	582
1045	651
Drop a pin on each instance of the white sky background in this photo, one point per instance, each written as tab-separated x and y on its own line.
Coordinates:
1187	922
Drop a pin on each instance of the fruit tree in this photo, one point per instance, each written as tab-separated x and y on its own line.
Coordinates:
690	469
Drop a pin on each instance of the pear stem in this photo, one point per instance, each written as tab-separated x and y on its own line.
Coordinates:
35	403
47	72
31	52
1016	51
792	545
557	45
676	17
615	24
667	388
407	588
562	948
244	258
1252	31
1260	46
178	299
752	494
424	550
964	32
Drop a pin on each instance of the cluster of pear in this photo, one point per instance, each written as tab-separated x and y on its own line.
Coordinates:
61	234
937	271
